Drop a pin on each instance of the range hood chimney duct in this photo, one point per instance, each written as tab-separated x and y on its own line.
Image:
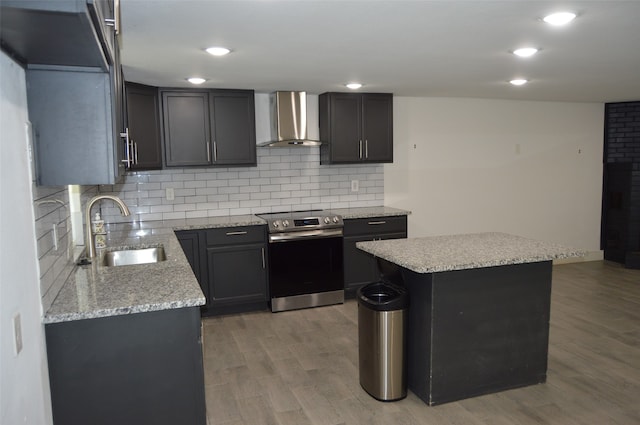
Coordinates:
288	110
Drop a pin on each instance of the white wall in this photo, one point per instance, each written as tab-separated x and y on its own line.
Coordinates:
24	384
471	165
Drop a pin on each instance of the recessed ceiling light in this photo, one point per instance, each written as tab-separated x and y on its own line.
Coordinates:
196	80
525	52
353	86
560	18
519	81
218	51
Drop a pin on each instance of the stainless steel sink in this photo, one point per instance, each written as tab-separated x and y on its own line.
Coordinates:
131	256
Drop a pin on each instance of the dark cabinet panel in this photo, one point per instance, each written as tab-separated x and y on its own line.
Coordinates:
361	268
356	128
377	127
231	266
143	122
209	127
237	275
143	368
187	135
233	127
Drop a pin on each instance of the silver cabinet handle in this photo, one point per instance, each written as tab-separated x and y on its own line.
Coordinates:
374	223
215	151
263	262
135	152
366	149
360	149
127	160
208	151
236	233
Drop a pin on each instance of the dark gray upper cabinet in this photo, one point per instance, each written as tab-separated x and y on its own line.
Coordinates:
143	123
74	86
61	32
356	128
74	115
212	127
187	137
233	127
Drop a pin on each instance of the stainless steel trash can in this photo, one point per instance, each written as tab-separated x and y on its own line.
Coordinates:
382	324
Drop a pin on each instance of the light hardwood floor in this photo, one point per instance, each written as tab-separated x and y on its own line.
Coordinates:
301	367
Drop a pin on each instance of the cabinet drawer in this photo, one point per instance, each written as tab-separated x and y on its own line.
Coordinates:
375	225
236	235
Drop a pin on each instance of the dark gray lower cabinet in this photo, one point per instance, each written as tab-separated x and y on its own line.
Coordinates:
230	264
236	269
143	368
360	268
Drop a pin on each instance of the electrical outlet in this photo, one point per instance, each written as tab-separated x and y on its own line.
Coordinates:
355	185
170	194
17	333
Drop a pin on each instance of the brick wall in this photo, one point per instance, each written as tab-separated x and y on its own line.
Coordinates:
622	145
284	179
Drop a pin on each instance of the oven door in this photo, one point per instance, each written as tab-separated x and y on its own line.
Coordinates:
305	265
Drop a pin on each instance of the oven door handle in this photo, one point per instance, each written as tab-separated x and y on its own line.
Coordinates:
306	234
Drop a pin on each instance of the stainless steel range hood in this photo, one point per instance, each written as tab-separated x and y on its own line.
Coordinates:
289	120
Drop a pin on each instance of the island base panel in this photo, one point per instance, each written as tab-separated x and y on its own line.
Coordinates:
477	331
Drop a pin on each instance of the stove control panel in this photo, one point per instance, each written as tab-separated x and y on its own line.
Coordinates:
304	223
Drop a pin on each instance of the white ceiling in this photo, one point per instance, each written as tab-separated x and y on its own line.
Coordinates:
444	48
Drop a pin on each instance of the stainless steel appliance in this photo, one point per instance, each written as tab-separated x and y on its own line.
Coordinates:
305	259
289	120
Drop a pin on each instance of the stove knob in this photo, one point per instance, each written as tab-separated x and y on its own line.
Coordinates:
276	224
327	220
335	219
285	223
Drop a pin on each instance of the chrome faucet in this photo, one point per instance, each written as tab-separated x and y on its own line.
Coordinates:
91	249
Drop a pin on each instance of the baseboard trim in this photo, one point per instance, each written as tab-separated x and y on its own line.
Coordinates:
590	256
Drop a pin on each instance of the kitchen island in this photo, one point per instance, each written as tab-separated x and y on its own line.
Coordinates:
478	319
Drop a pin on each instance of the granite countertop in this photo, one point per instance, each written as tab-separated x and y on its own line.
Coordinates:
468	251
368	212
95	291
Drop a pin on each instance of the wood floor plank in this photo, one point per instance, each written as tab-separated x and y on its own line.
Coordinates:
301	367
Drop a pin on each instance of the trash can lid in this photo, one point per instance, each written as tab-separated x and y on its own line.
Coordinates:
383	296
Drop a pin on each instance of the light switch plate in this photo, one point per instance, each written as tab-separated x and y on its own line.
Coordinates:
170	194
355	185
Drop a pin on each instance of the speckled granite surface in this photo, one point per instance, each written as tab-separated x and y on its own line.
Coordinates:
97	291
367	212
470	251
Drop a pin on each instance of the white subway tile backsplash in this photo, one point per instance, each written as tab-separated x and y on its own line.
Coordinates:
284	179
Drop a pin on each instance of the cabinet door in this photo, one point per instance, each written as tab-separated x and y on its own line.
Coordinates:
361	268
144	126
186	128
237	274
377	127
344	128
233	127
